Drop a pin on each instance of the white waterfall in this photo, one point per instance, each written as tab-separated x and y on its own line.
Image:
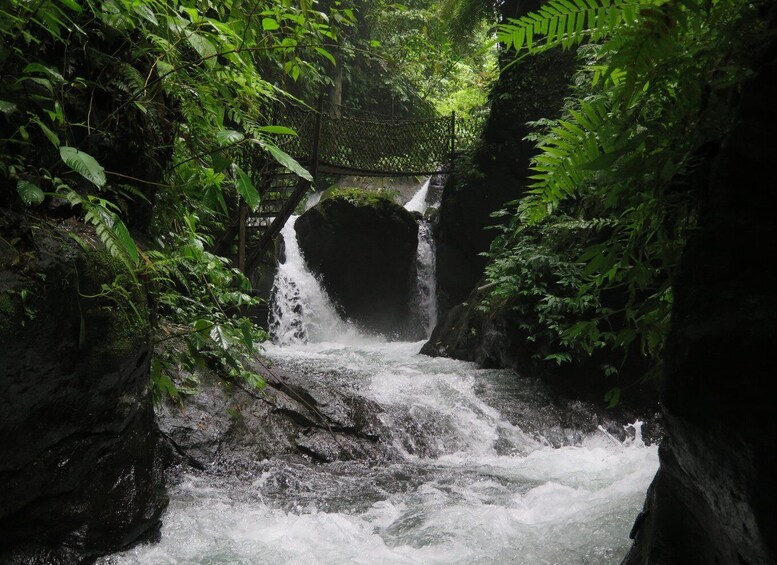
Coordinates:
300	310
426	284
425	305
418	202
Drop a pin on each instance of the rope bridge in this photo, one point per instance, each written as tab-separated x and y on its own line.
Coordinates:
333	144
375	147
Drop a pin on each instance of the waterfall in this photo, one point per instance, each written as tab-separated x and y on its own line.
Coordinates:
425	306
418	202
300	309
426	284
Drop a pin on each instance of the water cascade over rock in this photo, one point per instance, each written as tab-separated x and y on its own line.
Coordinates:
360	446
425	303
364	253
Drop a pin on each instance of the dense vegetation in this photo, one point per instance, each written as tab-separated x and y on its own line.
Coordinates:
148	121
591	249
139	116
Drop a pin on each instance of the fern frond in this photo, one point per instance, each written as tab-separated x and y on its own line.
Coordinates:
567	23
108	226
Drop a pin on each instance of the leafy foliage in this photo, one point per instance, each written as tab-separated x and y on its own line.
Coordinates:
201	300
151	119
619	172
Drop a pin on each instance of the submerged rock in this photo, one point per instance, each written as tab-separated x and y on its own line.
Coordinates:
80	470
364	251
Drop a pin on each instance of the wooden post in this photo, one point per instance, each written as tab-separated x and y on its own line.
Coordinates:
241	242
315	149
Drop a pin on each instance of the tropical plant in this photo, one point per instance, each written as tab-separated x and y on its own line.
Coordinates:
655	94
140	115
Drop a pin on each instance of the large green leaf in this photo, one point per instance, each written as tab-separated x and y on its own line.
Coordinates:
84	164
246	188
269	24
31	194
286	160
229	137
73	5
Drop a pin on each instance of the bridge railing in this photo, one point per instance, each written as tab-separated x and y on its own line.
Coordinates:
376	147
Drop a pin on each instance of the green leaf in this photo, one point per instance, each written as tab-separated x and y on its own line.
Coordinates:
613	397
73	5
203	46
286	160
38	68
246	330
220	337
281	130
146	13
7	108
326	54
52	137
84	164
30	193
269	24
229	137
246	188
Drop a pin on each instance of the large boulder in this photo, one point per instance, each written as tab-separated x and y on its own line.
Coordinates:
80	469
228	426
714	497
364	249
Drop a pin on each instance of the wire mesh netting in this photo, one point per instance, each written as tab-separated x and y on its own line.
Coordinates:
376	146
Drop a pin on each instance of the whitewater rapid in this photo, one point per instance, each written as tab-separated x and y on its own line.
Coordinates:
471	485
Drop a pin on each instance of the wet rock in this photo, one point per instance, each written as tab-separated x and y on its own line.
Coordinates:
291	418
714	497
81	472
497	170
365	254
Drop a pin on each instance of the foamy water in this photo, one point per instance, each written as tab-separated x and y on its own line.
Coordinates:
470	486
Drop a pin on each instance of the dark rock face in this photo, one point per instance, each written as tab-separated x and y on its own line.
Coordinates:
499	339
365	255
81	472
714	497
497	171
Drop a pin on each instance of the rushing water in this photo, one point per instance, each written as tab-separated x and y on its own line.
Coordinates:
300	309
469	486
483	470
426	282
426	263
